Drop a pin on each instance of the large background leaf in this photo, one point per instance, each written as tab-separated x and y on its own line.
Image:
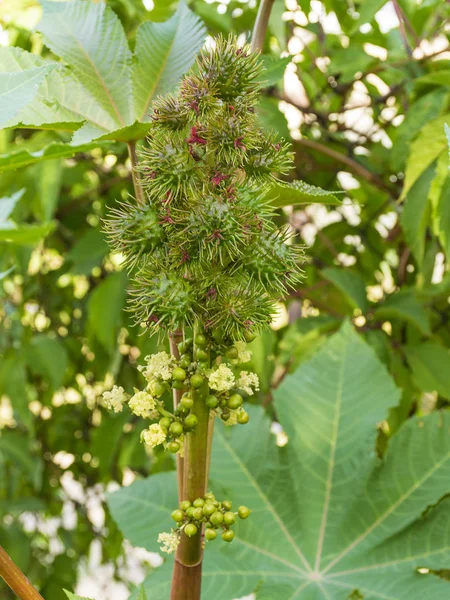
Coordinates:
329	517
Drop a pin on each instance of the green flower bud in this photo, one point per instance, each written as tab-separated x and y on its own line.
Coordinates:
177	385
210	535
228	536
176	429
232	353
229	518
177	515
225	415
216	518
211	401
188	341
185	361
201	354
197	381
200	340
190	421
187	402
156	388
179	374
235	401
199	502
243	417
227	504
244	512
165	422
197	514
190	512
190	530
209	509
185	505
173	447
182	347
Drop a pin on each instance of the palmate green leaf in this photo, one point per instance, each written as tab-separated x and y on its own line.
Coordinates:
299	192
74	596
330	519
18	89
23	234
406	306
351	284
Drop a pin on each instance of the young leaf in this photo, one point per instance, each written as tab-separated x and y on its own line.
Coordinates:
274	69
321	525
299	192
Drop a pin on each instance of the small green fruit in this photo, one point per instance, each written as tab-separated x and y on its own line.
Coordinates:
199	502
185	361
179	374
188	342
229	518
244	512
176	429
185	505
235	401
182	347
190	530
211	401
226	504
190	422
173	447
177	515
216	518
243	417
190	512
228	536
197	381
177	385
225	415
210	535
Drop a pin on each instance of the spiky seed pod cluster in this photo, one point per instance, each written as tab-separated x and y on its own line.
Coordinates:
204	248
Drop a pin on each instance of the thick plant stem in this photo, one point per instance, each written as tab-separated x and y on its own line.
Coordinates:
187	573
262	20
138	189
16	580
174	339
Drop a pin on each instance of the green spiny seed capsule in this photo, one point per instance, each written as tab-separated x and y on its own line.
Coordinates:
197	514
190	422
249	336
216	518
227	504
156	388
179	374
190	530
177	515
232	353
185	361
211	401
201	354
197	381
200	340
185	505
177	385
165	423
228	536
210	535
209	509
187	402
173	447
190	512
199	502
176	429
235	401
243	417
244	512
229	518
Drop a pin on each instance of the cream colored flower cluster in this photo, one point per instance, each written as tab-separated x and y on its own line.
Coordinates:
154	435
115	399
144	405
159	366
169	541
